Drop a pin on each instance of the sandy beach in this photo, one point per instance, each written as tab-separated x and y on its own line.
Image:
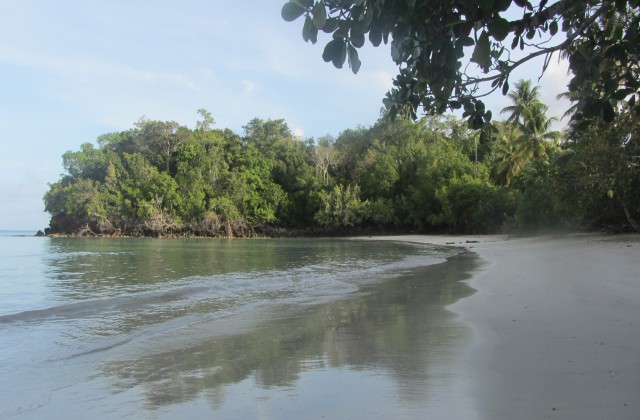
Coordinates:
556	326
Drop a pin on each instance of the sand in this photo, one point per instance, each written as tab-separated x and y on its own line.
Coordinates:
556	326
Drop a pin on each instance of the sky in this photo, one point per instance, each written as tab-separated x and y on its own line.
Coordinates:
73	70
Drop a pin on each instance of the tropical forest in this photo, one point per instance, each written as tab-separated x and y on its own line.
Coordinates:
429	175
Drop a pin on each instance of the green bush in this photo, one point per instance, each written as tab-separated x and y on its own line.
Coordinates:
474	205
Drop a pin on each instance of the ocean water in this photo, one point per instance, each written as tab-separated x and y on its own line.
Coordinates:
168	328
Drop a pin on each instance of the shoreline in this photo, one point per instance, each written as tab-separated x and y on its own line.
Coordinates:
555	322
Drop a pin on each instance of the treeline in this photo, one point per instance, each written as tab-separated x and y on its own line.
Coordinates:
433	175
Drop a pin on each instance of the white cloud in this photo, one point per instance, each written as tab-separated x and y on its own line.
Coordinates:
106	74
380	79
248	87
298	133
552	83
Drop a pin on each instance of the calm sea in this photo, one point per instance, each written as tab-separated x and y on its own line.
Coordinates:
168	328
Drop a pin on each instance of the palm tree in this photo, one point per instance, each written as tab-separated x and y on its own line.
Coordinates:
526	134
523	97
573	97
507	159
536	134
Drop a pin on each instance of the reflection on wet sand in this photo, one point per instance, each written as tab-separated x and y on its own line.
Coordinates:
399	328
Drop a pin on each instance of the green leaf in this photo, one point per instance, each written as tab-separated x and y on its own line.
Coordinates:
482	52
592	108
335	51
331	49
309	32
469	107
523	3
330	25
616	51
465	28
357	39
502	5
467	41
343	31
505	88
514	44
306	29
553	28
499	28
292	11
621	94
485	5
319	15
608	113
341	56
396	54
475	121
375	37
354	61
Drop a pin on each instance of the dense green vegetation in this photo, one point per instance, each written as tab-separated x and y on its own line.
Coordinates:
431	175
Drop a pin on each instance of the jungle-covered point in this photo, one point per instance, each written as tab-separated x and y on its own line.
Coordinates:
431	175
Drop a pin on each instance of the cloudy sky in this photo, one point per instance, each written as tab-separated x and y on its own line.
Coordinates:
72	70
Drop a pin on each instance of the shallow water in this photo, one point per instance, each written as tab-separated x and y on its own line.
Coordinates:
165	328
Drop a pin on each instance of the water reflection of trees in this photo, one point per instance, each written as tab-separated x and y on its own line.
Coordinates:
116	272
399	327
82	268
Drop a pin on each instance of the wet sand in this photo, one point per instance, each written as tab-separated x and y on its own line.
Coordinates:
556	326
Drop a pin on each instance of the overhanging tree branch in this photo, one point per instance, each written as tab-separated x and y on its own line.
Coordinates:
429	38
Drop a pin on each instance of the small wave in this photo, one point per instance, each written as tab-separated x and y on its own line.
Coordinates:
300	284
98	349
93	307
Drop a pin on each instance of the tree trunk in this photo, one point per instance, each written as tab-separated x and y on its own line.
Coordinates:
630	219
228	230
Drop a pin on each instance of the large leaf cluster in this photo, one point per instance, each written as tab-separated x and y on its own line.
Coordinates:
435	41
605	62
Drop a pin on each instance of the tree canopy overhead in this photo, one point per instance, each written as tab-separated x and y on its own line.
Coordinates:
431	38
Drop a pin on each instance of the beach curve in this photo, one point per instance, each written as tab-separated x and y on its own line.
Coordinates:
556	325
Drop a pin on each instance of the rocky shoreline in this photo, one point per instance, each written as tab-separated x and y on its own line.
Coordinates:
240	232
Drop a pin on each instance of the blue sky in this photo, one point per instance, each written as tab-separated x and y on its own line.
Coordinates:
72	70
